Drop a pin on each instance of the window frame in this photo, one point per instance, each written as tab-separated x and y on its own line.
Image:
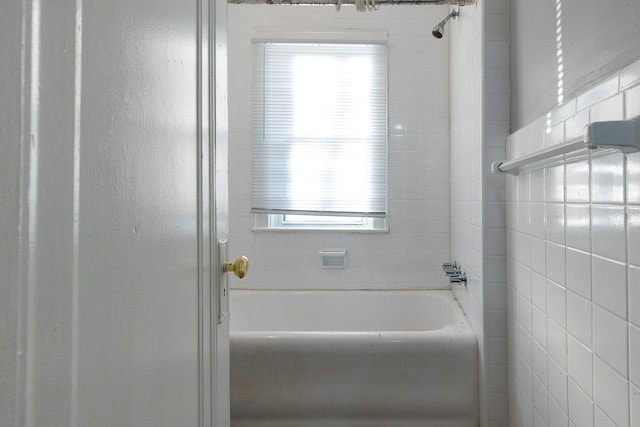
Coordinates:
278	221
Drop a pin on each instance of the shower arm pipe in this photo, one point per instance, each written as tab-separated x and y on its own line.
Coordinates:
333	2
623	135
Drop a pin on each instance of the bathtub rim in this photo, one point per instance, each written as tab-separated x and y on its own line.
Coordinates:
461	324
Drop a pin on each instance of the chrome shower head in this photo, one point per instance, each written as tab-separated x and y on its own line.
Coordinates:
438	30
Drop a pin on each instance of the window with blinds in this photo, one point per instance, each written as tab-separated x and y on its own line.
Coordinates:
320	135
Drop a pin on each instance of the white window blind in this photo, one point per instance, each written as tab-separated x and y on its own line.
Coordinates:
320	129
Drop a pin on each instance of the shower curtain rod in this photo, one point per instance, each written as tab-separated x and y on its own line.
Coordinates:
333	2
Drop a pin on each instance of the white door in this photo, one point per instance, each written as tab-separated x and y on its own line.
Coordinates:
121	123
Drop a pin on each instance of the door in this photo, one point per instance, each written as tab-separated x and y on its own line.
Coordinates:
122	123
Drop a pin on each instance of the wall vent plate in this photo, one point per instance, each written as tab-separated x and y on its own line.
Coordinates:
333	258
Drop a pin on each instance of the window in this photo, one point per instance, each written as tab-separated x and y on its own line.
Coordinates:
320	135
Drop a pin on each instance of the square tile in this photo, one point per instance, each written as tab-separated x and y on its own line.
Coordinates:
556	263
557	344
610	109
537	218
598	93
580	406
540	398
558	385
579	315
633	235
635	405
579	272
555	222
611	393
557	416
633	178
554	184
609	285
578	181
634	355
538	255
607	179
608	237
540	362
557	303
632	103
634	295
578	227
580	361
610	339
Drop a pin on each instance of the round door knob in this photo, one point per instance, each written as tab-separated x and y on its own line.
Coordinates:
239	267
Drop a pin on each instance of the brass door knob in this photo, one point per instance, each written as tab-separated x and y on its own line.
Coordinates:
239	267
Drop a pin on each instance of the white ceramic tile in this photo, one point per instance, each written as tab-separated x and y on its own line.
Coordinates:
579	272
536	185
497	53
578	181
609	285
554	184
598	93
555	222
635	405
633	178
632	103
608	232
557	303
539	326
557	415
554	135
634	295
633	235
611	393
524	316
574	126
541	398
556	263
610	109
579	312
539	291
540	362
580	406
607	179
634	355
630	76
580	361
538	255
563	111
537	217
557	344
601	420
610	339
578	223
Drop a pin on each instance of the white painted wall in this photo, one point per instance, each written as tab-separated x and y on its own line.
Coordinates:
411	254
479	126
598	38
574	271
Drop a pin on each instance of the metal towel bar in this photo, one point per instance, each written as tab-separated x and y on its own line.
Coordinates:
623	135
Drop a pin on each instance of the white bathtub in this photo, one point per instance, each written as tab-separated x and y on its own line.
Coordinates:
352	358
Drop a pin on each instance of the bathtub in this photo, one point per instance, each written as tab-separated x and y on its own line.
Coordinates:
352	358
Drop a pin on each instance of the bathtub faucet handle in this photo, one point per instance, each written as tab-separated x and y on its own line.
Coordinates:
240	267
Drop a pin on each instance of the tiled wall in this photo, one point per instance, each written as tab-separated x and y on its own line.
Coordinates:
411	254
573	250
480	124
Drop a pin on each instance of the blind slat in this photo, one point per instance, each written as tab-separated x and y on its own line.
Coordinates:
320	129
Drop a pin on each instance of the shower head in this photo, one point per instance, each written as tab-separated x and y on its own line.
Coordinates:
438	30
